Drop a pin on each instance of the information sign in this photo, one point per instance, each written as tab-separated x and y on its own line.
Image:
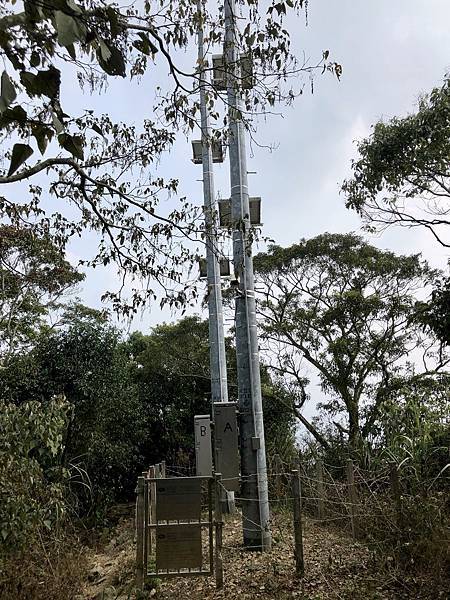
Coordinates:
179	547
178	498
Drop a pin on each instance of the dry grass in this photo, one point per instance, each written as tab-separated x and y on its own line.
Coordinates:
48	569
336	567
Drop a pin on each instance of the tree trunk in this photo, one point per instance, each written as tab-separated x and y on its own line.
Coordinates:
312	430
354	431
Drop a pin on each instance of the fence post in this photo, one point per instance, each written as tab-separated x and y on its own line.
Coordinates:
298	534
145	519
163	469
353	499
218	530
320	489
395	488
140	533
151	510
278	470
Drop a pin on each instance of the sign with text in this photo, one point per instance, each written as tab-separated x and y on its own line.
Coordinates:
226	444
179	547
203	449
178	498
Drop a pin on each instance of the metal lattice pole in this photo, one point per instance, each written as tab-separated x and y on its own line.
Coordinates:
255	505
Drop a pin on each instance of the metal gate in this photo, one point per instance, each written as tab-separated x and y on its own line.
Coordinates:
178	527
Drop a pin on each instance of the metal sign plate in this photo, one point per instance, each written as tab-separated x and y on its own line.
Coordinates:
203	449
226	444
178	498
179	547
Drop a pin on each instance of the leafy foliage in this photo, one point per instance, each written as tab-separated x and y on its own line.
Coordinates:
171	369
103	173
413	432
402	176
434	315
31	481
83	361
345	308
33	277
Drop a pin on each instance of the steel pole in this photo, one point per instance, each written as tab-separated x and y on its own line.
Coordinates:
217	357
255	503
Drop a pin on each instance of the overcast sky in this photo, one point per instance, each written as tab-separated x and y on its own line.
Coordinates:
391	51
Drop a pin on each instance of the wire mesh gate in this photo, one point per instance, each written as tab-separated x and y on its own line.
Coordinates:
178	527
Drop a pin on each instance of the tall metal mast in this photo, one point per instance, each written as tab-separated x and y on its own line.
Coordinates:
217	358
254	490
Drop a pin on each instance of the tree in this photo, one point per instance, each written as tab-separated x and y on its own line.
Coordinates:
402	175
171	369
33	277
101	172
345	308
83	360
434	314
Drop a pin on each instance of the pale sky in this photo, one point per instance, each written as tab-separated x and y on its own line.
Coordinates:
391	51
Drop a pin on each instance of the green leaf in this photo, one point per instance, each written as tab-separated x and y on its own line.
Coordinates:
70	29
42	135
28	80
144	45
8	92
71	50
50	81
33	12
10	115
20	153
73	144
35	59
114	24
76	9
44	83
59	127
97	129
105	52
110	59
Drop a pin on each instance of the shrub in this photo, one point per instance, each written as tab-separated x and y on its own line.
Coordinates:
31	481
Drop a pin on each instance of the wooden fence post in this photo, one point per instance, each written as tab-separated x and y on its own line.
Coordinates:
395	488
320	489
353	498
218	531
278	470
298	534
163	469
151	510
140	534
145	519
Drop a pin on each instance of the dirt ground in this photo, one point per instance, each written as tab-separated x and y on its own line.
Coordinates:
336	567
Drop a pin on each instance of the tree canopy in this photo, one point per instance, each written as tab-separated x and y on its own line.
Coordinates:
402	174
103	173
33	278
172	371
347	309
